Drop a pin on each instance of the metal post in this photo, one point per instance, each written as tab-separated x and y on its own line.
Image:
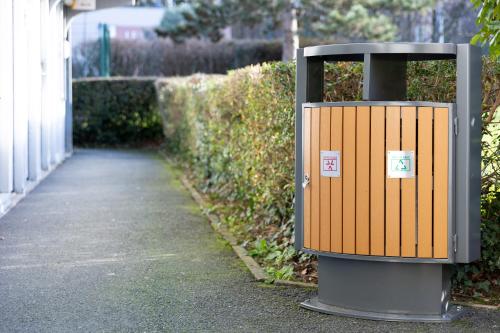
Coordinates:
308	88
468	190
104	50
376	71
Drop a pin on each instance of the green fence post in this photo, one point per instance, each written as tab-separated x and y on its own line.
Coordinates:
104	52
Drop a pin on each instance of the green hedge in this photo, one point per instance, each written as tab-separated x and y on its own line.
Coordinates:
236	133
116	111
162	57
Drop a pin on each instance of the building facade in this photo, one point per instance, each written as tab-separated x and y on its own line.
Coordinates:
123	22
35	91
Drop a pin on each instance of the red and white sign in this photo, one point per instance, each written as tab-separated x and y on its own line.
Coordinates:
330	163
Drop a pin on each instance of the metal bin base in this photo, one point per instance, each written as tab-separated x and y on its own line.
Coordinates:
453	313
383	290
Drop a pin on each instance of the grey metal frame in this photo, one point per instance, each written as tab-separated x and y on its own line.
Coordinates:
380	103
411	289
464	246
308	88
452	167
468	186
413	51
381	290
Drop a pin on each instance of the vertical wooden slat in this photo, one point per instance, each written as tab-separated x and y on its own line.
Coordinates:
349	181
408	185
424	174
363	180
392	231
336	183
307	171
315	175
377	181
324	143
440	183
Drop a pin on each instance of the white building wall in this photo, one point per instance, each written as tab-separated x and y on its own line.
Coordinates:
35	92
68	94
45	91
20	95
6	98
53	73
61	80
32	94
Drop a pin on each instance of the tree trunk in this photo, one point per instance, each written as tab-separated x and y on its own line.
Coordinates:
290	32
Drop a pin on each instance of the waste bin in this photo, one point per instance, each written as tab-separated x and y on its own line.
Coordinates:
387	190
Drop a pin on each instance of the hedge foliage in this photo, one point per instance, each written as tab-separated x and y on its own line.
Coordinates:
160	57
236	133
118	111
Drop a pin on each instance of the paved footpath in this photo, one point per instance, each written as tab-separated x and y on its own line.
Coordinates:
110	242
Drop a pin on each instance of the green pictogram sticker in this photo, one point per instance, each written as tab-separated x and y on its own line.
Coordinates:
400	164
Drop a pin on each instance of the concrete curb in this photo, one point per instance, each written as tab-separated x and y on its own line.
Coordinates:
477	305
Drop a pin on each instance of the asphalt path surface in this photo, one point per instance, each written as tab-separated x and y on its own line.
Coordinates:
111	242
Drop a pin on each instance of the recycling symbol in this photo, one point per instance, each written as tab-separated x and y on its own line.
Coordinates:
402	164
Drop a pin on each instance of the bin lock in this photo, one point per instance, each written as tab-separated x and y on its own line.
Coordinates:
306	182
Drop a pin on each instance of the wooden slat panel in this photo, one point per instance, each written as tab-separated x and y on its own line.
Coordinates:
377	181
424	173
315	175
365	212
349	181
336	183
408	185
307	171
363	180
440	183
324	143
392	245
